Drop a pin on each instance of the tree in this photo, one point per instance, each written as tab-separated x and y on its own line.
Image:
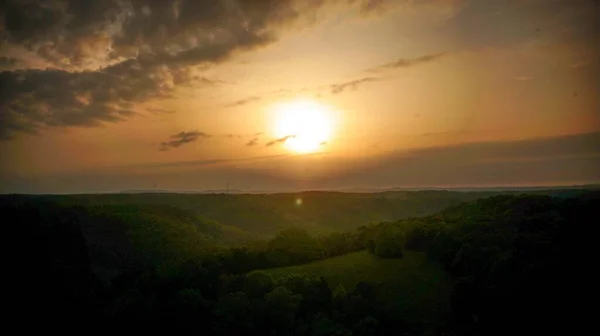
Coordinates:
258	283
388	242
298	244
282	305
233	311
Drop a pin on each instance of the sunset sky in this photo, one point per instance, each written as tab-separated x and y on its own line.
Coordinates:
104	96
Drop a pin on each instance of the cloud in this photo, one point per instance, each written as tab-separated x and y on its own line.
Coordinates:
339	88
398	63
33	99
407	62
240	135
280	140
524	78
159	111
7	63
252	142
90	35
572	159
559	159
86	63
182	138
244	101
204	162
374	5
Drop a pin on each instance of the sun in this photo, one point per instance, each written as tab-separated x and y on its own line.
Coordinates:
303	125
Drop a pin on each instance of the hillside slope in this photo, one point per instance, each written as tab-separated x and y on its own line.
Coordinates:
120	239
412	286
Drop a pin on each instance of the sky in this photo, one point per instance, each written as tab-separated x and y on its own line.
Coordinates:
258	95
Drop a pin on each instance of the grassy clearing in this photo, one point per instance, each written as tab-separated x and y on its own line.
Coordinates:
412	286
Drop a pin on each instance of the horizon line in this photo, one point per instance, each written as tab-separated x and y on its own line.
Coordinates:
350	190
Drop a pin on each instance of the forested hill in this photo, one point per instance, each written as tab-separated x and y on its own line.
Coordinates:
497	265
318	212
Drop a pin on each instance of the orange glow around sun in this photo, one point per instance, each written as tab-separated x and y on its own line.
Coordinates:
306	123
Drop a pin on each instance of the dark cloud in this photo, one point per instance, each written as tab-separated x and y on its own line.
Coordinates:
562	159
101	57
183	138
252	142
75	34
91	34
85	63
7	63
407	62
244	101
339	88
280	140
30	99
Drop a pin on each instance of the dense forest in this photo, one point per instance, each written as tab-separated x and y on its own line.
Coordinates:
407	263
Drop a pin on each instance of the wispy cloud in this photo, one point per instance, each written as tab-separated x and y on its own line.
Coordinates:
203	162
406	62
374	5
252	142
353	85
159	111
182	138
280	140
398	63
244	101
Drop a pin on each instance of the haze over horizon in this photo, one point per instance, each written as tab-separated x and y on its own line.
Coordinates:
106	96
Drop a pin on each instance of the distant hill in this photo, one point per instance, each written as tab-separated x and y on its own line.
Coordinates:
208	191
267	214
372	190
316	211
